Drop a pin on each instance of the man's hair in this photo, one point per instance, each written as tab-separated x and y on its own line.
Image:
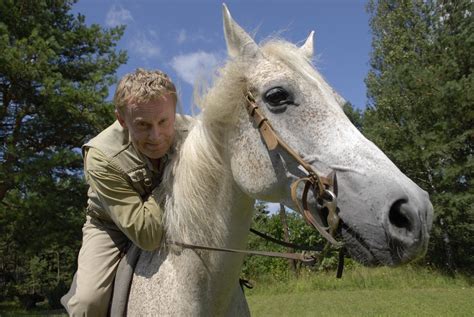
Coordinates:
141	87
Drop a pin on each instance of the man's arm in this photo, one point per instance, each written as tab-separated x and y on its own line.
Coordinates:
140	221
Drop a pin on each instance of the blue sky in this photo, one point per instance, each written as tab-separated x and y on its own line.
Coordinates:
184	38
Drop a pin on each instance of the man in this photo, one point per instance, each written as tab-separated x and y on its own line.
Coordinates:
123	166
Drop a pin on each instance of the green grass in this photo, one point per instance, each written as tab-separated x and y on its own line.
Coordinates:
405	291
12	309
380	302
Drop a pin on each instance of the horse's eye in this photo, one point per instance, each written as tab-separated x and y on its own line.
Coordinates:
277	97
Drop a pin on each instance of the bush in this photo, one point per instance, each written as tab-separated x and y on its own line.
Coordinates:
54	295
28	301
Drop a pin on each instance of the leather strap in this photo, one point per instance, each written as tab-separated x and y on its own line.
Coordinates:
286	244
322	187
306	259
340	263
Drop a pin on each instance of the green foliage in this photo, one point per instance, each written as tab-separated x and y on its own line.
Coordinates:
421	91
55	293
359	277
299	233
54	77
356	116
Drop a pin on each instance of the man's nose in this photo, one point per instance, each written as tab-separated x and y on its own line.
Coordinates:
155	134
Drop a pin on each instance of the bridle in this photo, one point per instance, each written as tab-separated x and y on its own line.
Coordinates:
324	188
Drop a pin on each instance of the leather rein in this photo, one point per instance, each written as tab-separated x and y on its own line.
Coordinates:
324	188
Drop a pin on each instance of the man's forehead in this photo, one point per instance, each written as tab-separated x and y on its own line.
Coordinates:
149	111
151	105
156	97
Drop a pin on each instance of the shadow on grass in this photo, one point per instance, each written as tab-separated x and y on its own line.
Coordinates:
13	308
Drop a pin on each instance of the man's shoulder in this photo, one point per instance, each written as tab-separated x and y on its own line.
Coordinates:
96	160
110	141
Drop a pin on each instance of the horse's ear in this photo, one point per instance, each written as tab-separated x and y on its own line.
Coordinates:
307	47
238	41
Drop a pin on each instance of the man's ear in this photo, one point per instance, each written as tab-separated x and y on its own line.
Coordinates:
120	119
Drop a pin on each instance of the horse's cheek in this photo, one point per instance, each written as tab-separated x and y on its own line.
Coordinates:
251	166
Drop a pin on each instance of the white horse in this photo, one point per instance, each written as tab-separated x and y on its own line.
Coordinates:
223	166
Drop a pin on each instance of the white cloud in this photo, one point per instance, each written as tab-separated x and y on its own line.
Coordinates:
153	34
117	15
194	65
195	36
182	36
273	207
144	47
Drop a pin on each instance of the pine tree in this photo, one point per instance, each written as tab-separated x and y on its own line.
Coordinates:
421	92
54	76
356	116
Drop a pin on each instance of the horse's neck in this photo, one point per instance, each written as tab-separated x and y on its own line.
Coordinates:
183	282
220	219
206	206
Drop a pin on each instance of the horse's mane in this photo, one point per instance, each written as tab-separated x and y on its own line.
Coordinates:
200	165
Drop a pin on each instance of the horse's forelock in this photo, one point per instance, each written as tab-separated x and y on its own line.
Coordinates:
291	55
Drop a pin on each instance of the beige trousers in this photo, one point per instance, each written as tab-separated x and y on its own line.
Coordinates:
102	247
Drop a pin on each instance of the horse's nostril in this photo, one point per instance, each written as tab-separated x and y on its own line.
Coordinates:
404	229
399	216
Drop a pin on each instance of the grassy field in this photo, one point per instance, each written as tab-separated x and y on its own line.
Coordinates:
365	292
382	302
11	309
405	291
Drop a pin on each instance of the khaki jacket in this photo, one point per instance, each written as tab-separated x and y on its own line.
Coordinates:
123	184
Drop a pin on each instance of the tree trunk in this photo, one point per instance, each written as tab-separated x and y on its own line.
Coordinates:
286	237
450	264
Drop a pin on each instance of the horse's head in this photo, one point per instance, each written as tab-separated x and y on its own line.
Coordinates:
386	217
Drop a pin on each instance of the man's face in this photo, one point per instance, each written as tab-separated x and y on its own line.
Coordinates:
151	125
